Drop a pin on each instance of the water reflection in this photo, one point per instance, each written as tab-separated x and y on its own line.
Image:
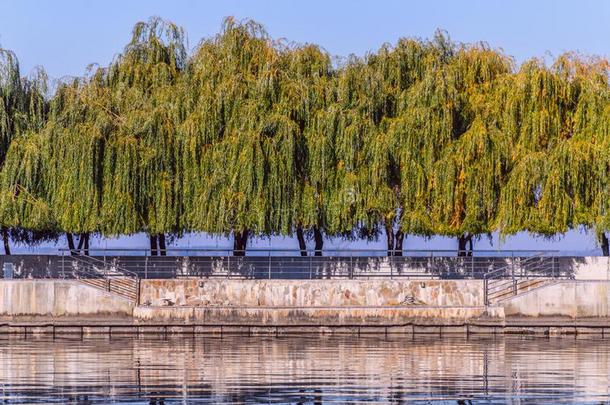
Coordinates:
313	369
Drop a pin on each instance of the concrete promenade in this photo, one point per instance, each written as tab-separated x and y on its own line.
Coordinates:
200	305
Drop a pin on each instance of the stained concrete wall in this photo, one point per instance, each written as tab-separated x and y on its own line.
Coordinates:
573	299
272	302
311	293
58	298
314	316
591	268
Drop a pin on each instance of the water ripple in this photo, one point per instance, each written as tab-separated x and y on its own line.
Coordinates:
300	370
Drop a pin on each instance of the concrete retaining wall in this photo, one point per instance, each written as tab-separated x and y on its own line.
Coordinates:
329	316
58	298
311	293
306	302
573	299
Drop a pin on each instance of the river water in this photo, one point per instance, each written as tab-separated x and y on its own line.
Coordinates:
311	369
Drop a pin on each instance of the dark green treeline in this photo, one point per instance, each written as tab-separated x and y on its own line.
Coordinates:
249	136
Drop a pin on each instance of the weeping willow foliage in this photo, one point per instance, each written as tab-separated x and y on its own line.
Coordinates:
238	144
557	118
469	175
409	124
140	156
250	135
309	102
23	114
105	160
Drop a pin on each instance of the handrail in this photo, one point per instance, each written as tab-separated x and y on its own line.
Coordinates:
502	270
533	271
295	266
296	249
103	263
86	267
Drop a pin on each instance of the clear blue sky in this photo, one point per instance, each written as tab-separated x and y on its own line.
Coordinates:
66	36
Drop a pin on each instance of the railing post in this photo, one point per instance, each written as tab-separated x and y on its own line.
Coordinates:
310	275
63	266
514	280
269	265
146	265
485	294
351	265
472	267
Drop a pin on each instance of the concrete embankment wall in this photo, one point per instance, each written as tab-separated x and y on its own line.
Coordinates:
311	293
255	302
573	299
311	302
58	298
305	302
587	296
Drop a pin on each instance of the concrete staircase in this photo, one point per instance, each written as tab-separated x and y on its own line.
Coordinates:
518	278
501	290
101	275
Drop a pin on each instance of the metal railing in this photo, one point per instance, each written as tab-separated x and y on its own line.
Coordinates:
341	251
289	264
521	276
102	275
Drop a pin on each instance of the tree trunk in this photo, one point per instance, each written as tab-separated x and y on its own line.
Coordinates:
5	239
70	239
153	245
319	241
301	239
463	241
240	241
462	245
605	244
389	231
162	247
399	239
83	243
80	242
86	244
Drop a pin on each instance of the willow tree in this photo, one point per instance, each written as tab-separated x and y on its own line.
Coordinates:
138	115
408	126
538	116
467	180
238	144
104	161
362	103
256	137
23	112
307	90
582	169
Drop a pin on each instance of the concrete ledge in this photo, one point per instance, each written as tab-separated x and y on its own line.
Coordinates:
336	316
474	327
